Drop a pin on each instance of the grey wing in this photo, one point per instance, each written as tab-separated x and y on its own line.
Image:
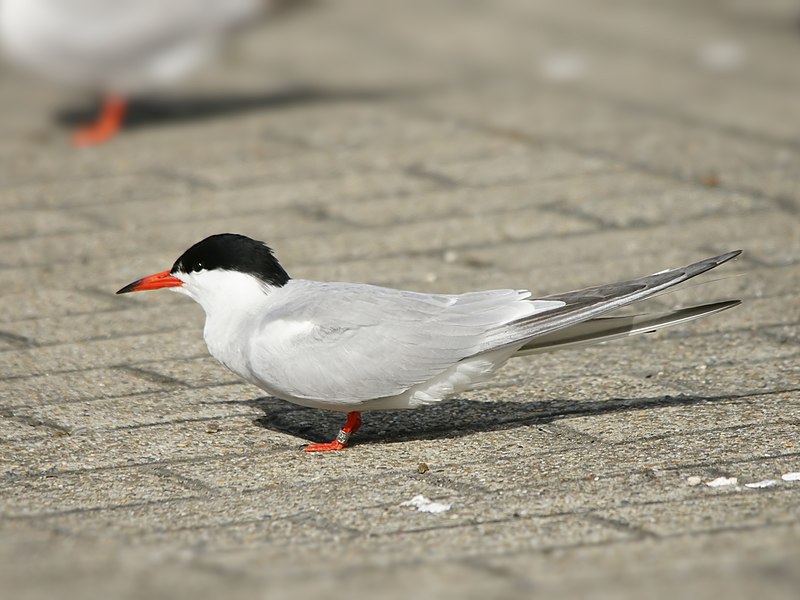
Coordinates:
588	303
369	342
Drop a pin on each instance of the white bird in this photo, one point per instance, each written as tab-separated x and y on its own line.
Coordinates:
118	47
353	347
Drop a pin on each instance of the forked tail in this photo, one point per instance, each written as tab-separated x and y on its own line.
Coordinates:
603	329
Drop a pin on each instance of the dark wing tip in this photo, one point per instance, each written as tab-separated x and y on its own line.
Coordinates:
702	266
725	304
727	256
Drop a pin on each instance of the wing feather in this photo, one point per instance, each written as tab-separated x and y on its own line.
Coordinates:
370	342
604	329
588	303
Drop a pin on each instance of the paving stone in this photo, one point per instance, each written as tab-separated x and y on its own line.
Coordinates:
442	147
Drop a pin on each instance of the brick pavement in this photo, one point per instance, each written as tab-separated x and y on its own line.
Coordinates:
437	146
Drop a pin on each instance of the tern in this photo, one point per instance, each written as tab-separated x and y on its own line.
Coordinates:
354	347
119	48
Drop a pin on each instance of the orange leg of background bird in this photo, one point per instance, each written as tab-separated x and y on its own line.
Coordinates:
106	126
350	427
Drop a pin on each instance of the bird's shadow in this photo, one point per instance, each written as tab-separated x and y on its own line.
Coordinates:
152	111
454	418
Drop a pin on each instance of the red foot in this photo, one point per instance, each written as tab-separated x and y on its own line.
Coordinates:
325	447
105	127
350	427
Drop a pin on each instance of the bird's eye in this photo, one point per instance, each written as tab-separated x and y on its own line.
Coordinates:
198	266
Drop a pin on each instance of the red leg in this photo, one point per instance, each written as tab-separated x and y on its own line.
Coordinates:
107	124
350	427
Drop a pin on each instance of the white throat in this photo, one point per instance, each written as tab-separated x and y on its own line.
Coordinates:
233	302
224	294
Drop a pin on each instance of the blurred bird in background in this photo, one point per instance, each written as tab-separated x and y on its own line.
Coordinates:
119	48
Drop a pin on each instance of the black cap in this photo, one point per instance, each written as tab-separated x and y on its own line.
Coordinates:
233	252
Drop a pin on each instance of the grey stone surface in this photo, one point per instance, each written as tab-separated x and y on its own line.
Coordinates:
440	146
